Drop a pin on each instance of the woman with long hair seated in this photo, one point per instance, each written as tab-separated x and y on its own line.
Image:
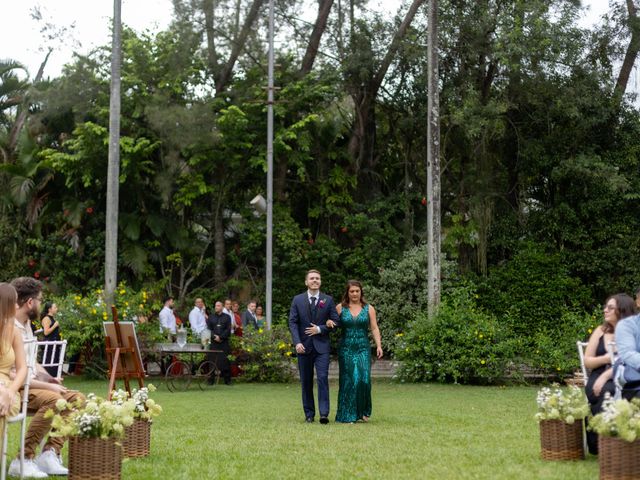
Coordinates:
597	359
11	353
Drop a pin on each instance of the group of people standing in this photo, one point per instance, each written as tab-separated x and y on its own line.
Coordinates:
312	318
620	329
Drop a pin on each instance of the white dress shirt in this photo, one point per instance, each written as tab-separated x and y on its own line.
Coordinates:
232	317
167	320
317	297
197	320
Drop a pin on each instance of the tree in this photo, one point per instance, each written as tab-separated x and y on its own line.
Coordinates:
113	176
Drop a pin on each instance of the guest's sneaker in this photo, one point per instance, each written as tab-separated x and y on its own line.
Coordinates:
30	469
51	463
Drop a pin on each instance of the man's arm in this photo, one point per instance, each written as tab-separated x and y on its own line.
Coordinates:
294	319
226	332
626	342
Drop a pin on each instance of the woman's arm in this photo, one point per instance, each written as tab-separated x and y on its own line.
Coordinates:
46	325
8	392
375	331
592	361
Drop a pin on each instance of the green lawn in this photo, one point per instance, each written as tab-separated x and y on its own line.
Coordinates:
250	431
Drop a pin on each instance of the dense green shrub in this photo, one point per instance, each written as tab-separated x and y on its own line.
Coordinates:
461	344
532	291
265	355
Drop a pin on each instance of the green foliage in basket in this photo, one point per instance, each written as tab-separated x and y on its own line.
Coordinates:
93	418
145	408
555	403
619	418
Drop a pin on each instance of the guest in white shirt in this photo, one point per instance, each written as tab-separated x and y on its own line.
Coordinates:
198	317
167	318
227	310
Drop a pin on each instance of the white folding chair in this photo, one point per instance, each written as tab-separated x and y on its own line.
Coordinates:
31	349
53	354
582	346
611	350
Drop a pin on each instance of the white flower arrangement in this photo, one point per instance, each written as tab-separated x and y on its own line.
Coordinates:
619	418
145	408
95	418
567	405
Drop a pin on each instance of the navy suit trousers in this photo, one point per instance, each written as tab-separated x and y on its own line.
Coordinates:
306	364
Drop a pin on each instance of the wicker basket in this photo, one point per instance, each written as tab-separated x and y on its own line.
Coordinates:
94	459
618	459
137	439
560	440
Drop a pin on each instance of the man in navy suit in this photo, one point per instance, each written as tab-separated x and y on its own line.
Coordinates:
312	316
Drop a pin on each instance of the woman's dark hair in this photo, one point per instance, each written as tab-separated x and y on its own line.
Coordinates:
345	296
625	307
45	310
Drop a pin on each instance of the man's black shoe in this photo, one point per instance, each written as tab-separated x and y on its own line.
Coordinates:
324	420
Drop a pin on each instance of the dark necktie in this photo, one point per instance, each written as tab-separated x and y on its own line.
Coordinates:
313	308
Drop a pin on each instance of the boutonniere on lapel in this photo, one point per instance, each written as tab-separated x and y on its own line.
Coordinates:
321	303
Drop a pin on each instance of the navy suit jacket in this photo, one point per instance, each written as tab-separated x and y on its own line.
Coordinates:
300	318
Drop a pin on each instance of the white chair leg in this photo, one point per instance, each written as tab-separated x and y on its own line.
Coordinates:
3	474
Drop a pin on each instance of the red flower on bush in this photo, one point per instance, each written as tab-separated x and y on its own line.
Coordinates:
36	274
32	263
310	241
344	229
423	201
89	210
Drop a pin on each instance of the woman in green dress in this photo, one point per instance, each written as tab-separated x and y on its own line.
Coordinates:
354	354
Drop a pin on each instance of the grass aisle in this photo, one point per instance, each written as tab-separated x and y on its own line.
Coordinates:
428	431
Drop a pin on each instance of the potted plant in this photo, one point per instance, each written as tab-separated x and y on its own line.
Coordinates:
137	436
93	428
561	413
618	429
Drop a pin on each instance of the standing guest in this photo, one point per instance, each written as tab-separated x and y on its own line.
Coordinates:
260	320
44	392
198	317
249	316
11	352
597	359
354	354
227	310
167	318
308	318
220	325
235	310
51	331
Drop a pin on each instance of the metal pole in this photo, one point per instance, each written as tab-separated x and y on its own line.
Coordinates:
270	172
433	162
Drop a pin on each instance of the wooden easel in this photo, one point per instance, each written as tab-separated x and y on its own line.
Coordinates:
123	366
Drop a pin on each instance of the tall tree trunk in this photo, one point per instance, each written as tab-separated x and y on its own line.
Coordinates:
632	51
324	7
223	79
433	162
363	136
209	8
219	271
113	169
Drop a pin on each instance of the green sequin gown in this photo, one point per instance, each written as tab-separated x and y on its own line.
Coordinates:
354	358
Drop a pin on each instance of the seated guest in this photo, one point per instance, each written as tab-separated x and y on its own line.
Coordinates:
628	346
11	352
249	316
44	392
198	317
597	359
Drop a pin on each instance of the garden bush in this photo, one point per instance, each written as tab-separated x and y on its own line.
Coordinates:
265	355
461	344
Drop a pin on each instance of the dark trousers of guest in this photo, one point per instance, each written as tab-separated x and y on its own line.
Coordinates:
221	361
595	404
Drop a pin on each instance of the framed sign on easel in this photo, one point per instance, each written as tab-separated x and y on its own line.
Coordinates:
123	353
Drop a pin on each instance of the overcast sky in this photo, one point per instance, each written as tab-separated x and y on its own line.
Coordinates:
21	40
